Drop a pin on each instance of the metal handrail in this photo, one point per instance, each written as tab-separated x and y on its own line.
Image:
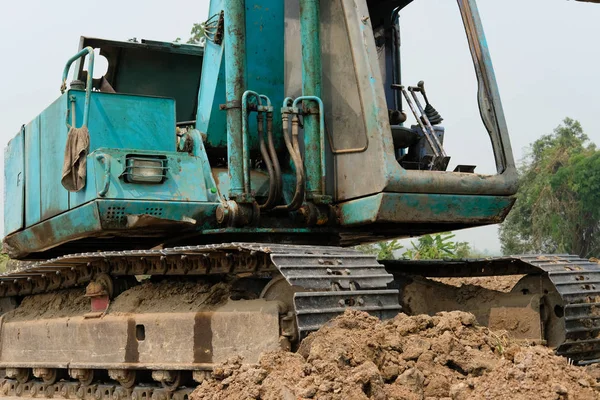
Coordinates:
322	161
246	139
90	75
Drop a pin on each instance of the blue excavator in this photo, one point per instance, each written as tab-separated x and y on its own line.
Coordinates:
198	202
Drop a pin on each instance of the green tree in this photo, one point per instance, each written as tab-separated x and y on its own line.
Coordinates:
558	202
198	33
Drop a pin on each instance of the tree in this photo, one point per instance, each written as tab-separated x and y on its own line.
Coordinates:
197	33
558	203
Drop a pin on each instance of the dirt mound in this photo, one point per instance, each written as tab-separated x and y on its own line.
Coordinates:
498	283
171	296
148	296
60	304
422	358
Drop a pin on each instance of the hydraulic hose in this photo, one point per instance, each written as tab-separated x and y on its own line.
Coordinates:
300	187
298	197
272	197
273	153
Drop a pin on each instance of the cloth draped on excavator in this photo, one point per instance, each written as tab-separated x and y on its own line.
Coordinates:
74	169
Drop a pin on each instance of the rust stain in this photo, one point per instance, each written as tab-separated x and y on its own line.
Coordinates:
203	350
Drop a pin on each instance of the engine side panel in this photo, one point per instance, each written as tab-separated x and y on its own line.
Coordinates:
14	183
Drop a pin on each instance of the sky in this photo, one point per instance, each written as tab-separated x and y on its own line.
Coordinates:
545	54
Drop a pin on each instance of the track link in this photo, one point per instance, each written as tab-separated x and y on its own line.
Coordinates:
72	390
332	281
578	282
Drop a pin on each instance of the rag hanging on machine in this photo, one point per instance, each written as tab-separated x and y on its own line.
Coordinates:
74	165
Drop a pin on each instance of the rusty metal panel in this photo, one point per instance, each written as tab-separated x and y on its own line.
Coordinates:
207	337
53	138
63	340
186	340
264	45
356	111
48	234
32	172
124	121
14	184
257	330
425	208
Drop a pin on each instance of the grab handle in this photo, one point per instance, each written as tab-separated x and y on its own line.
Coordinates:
90	75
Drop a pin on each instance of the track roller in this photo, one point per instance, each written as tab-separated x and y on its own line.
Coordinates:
47	375
84	376
126	377
170	380
22	375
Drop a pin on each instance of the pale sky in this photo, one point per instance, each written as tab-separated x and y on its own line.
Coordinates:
545	53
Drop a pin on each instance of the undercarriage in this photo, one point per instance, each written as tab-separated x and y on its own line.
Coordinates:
153	324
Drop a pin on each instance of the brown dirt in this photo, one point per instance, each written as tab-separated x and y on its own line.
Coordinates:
166	296
66	303
499	283
170	296
443	357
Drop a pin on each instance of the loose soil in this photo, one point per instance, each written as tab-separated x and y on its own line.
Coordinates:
60	304
444	357
164	296
498	283
171	296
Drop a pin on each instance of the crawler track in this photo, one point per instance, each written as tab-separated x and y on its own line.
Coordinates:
102	391
326	281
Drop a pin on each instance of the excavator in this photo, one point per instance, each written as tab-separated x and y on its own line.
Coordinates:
202	202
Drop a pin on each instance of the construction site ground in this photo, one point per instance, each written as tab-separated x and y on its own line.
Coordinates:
447	356
441	357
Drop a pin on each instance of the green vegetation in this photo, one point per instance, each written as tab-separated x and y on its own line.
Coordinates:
432	247
427	247
383	250
558	203
197	33
3	261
